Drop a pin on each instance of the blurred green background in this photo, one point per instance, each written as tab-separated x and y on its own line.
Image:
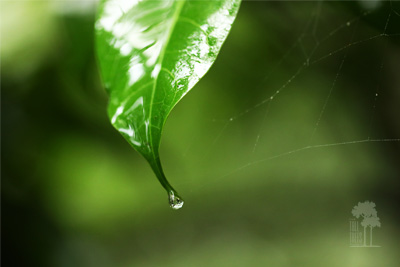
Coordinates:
74	193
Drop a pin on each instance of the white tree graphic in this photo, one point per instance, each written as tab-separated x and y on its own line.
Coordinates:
366	210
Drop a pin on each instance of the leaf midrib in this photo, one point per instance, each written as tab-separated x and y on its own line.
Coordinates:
159	61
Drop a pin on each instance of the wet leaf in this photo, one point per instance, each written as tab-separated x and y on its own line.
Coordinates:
151	53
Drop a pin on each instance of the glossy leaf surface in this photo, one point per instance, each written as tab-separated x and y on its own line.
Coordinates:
151	53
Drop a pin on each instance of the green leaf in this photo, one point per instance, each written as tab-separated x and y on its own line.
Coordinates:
151	53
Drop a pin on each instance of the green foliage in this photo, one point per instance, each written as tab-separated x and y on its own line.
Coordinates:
151	54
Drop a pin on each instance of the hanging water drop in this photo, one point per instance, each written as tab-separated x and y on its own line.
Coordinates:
175	201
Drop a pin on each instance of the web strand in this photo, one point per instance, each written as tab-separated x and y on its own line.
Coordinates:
298	46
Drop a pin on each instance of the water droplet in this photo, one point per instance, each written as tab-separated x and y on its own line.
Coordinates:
175	201
348	23
231	119
376	94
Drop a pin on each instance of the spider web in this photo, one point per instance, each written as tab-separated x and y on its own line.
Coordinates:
310	50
